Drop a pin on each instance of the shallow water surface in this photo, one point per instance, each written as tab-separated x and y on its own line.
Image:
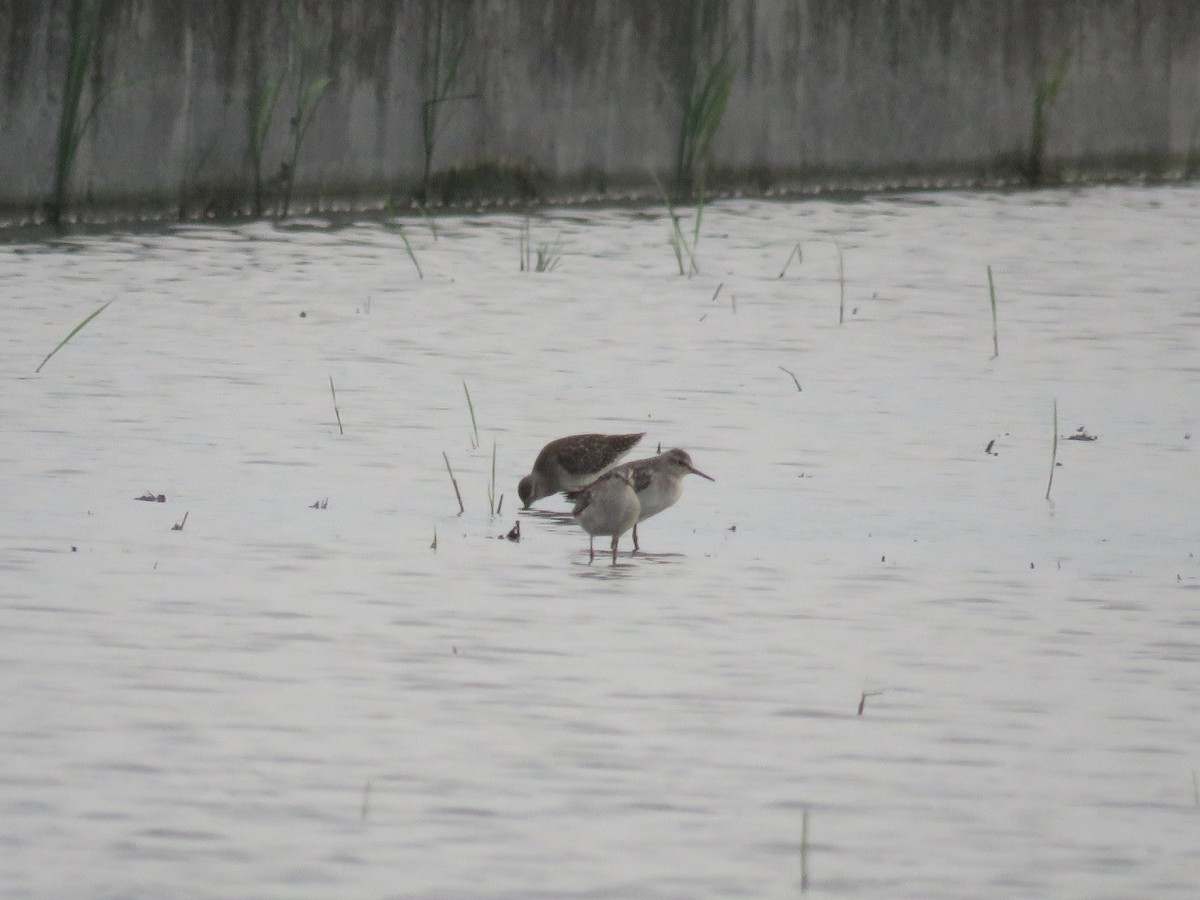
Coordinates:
282	700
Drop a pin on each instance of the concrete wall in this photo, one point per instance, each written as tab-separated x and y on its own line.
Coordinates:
589	93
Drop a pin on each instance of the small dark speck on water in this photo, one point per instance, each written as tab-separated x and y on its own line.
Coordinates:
74	549
1031	565
303	314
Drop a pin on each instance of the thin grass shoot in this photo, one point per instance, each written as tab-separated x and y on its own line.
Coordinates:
337	412
84	27
544	258
1053	451
678	240
458	495
474	424
995	332
74	331
409	250
796	254
492	486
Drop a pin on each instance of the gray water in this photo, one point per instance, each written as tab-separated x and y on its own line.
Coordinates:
286	701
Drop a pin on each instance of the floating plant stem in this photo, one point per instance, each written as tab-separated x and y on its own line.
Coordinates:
992	296
794	378
862	703
336	411
797	255
1053	451
471	409
457	494
74	331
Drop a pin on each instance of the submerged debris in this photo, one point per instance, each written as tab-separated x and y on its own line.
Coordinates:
1081	435
151	497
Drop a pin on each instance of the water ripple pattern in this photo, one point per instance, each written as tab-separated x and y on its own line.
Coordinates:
328	683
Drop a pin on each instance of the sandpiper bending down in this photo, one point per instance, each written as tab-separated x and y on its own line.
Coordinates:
572	463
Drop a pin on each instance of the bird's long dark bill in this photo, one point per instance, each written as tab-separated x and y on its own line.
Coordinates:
695	471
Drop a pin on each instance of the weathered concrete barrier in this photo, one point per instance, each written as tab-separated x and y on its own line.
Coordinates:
228	105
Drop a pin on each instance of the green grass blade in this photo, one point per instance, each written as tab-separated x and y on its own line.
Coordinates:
995	332
492	486
411	255
74	331
1053	451
471	407
336	411
796	254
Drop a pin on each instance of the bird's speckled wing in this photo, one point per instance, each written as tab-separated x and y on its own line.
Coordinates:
582	454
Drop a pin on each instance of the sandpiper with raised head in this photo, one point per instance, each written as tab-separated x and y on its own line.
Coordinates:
572	463
658	482
607	506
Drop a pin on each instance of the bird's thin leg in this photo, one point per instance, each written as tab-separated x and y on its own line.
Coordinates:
615	539
636	548
591	549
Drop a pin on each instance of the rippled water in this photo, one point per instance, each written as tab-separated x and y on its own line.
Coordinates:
279	700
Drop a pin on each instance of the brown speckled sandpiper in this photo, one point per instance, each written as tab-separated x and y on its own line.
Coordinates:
571	463
607	506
